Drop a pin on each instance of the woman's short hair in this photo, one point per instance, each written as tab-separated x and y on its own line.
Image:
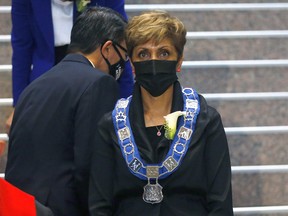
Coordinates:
155	25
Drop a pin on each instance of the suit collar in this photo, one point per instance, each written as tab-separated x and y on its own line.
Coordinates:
76	57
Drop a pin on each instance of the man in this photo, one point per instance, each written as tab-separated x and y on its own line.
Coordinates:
54	126
41	33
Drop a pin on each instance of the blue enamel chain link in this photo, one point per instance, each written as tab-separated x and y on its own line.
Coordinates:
179	145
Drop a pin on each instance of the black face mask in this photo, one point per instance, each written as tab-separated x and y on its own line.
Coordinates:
116	69
155	75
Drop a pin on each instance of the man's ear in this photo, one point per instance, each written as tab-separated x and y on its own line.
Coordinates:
106	48
179	64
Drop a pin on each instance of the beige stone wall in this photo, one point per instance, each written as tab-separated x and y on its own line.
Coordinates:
248	189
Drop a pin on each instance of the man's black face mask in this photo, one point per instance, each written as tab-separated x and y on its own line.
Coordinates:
116	69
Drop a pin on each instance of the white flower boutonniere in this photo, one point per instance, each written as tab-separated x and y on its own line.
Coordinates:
171	124
82	4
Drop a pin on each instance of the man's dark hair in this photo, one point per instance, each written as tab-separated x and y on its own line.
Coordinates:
94	27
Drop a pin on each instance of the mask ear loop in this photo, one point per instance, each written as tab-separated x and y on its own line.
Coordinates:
121	47
114	44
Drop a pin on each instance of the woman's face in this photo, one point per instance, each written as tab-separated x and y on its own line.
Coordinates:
155	66
165	50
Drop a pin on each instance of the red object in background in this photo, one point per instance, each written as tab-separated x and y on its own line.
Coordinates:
15	202
2	147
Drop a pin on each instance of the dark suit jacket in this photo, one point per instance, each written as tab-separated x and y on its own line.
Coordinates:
200	186
54	130
32	40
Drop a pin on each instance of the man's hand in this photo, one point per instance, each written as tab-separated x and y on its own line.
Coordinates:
9	122
8	126
2	147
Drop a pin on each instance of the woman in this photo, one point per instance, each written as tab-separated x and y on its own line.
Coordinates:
137	169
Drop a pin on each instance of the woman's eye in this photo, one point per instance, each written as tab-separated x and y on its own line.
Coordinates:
164	54
142	54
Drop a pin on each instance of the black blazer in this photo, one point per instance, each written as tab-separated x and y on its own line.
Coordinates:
201	186
54	130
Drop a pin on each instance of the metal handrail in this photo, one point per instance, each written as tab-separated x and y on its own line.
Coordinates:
215	35
237	34
5	38
260	210
214	64
267	169
4	136
254	130
230	131
207	7
235	63
195	7
246	96
6	101
260	169
5	9
214	97
5	68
